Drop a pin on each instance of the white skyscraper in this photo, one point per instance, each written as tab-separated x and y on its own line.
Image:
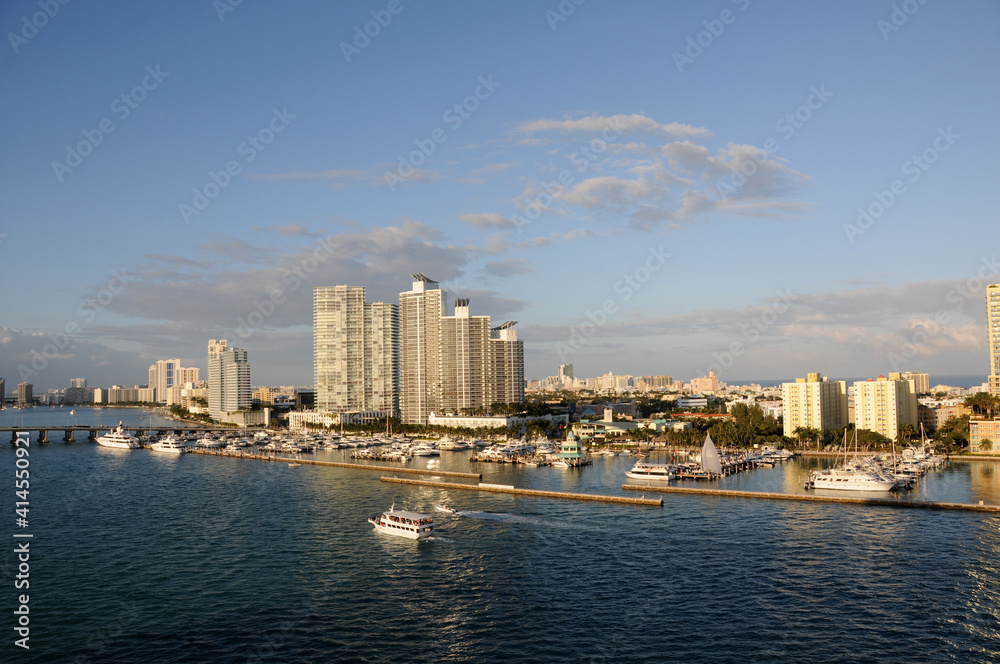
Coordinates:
453	363
165	374
355	352
420	312
228	379
993	334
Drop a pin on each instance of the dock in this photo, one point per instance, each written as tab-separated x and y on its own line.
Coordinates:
849	500
499	488
338	464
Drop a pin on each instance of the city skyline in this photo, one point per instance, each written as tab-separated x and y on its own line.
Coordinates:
688	197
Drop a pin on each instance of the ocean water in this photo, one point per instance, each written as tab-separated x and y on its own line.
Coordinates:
140	557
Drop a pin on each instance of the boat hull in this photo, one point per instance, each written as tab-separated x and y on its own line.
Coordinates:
408	534
647	476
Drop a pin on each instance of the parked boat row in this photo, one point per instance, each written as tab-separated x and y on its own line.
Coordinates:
877	472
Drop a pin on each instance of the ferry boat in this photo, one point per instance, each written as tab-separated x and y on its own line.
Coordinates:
170	445
849	480
119	438
651	471
403	524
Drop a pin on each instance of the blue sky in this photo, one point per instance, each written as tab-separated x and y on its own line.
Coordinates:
613	132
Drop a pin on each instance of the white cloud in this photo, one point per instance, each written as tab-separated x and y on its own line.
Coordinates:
620	122
486	220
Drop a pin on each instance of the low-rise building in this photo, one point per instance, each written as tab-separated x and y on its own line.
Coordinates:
984	435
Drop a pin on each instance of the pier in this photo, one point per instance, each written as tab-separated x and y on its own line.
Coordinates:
850	500
338	464
499	488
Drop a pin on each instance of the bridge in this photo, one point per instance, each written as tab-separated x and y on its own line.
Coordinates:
42	433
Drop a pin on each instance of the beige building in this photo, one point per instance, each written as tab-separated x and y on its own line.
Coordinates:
984	435
921	381
993	330
814	402
884	405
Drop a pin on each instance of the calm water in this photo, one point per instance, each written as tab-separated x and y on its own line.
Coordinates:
140	557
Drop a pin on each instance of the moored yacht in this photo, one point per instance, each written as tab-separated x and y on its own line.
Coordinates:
119	438
411	525
169	444
651	471
849	480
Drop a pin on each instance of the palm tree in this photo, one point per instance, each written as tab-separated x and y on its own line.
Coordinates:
986	445
907	432
808	433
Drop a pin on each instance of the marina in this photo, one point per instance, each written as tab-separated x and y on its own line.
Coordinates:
512	541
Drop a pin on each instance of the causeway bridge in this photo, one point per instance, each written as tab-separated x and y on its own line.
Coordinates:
46	434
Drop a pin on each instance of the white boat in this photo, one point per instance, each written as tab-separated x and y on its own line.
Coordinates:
843	479
170	445
208	442
403	524
424	449
294	465
560	464
119	438
651	471
446	508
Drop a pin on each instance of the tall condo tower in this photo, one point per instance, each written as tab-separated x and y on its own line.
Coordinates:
453	363
420	376
993	328
355	352
228	379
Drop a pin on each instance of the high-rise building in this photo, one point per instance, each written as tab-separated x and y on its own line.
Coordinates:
355	352
566	373
993	330
25	394
813	402
921	381
165	374
508	364
420	381
228	379
884	405
78	392
450	363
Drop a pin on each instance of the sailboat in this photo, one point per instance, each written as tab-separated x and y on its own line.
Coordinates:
711	462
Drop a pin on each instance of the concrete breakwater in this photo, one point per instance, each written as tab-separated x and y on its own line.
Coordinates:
852	500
